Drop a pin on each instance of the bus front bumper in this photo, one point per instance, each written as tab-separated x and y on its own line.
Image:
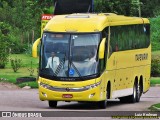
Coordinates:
93	94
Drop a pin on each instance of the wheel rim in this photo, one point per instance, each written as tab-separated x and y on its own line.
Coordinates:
138	91
134	92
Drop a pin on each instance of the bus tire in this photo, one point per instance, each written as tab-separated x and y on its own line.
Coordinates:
102	104
124	99
135	97
139	92
132	98
52	104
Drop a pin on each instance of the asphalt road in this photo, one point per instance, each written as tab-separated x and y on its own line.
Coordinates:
28	100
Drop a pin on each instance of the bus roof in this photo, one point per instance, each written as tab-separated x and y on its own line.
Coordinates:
90	22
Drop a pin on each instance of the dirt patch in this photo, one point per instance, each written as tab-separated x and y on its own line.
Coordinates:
8	86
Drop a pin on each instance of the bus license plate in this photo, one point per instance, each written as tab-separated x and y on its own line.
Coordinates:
67	96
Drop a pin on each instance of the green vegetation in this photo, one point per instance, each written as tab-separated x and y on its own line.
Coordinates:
156	54
155	33
16	64
31	69
155	80
4	43
155	65
149	8
31	84
155	107
155	68
11	76
20	22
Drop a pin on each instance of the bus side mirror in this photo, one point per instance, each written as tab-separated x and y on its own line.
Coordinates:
102	48
34	47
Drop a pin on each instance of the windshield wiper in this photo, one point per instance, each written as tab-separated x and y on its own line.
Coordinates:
71	63
70	60
60	65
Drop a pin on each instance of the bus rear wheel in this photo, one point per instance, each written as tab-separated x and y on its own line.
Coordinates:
124	99
135	97
52	104
139	92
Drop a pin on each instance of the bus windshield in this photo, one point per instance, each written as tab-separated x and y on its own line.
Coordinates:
69	55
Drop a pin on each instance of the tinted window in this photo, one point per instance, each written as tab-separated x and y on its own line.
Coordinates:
130	37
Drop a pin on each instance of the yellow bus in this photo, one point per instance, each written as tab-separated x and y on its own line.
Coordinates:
93	58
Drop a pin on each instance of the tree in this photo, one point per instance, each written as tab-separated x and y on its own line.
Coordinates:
136	7
150	8
4	43
23	23
144	8
113	6
47	6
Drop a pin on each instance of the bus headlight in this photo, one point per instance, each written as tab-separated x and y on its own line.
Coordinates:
45	85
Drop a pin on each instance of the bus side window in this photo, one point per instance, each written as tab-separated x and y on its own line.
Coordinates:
113	39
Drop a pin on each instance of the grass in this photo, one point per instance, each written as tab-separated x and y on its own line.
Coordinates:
11	76
31	84
155	107
155	80
156	53
26	60
155	66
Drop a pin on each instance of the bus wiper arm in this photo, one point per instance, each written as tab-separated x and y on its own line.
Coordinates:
60	66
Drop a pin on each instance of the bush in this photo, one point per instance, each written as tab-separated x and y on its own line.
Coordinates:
155	67
16	64
18	48
31	69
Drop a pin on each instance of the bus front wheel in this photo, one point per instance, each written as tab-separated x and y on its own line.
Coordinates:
52	104
103	104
